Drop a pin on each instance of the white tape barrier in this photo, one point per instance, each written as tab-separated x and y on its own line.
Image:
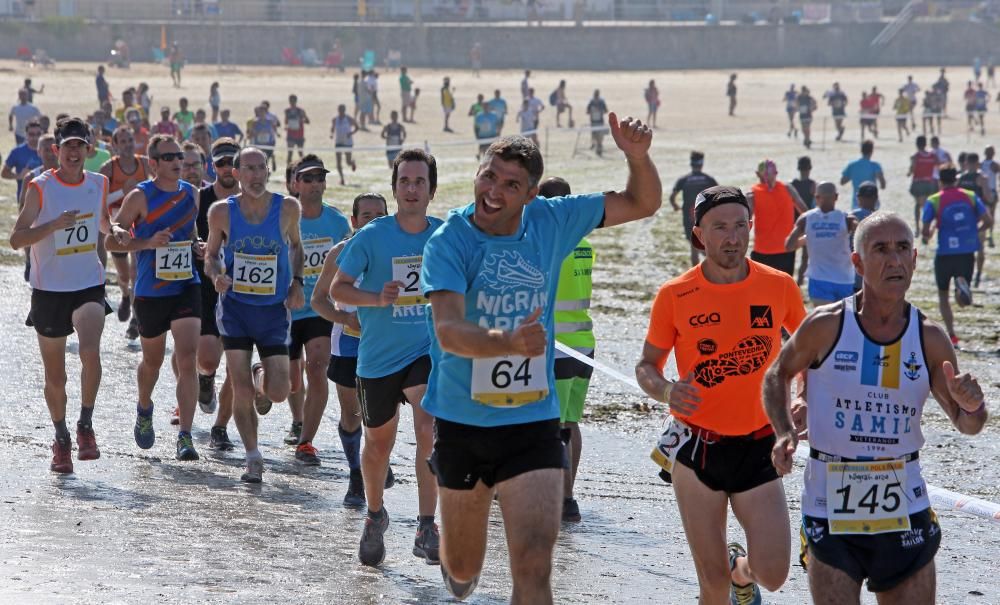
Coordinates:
940	498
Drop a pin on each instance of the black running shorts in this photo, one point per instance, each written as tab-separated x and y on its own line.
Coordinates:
947	266
208	299
730	464
886	560
305	329
343	371
784	261
380	397
156	313
464	454
51	313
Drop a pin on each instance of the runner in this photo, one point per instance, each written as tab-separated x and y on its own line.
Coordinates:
50	160
573	328
124	171
910	89
837	101
67	281
970	105
871	105
262	132
596	109
447	102
103	90
24	157
972	179
406	94
526	89
806	188
982	98
166	125
394	134
943	157
957	215
260	281
176	58
498	106
826	233
20	115
689	186
526	119
321	226
865	509
476	58
652	97
157	222
214	101
991	170
807	105
731	93
929	111
558	98
923	166
903	111
774	206
342	132
487	128
723	320
941	88
184	118
496	415
791	107
225	128
383	260
535	106
861	170
295	126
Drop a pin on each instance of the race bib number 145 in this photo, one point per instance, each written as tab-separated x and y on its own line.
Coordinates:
866	497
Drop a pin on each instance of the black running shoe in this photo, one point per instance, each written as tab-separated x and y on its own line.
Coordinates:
355	496
220	440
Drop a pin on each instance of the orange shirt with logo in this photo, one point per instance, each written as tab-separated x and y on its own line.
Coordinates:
726	336
773	217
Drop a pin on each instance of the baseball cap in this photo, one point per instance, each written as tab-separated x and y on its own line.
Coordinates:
868	189
712	197
224	150
309	164
70	129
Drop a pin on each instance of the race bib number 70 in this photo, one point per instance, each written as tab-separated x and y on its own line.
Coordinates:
509	381
80	238
866	497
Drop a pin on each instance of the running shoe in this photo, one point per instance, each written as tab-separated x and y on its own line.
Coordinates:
175	416
144	434
124	309
571	511
355	496
86	443
427	544
390	479
185	448
207	399
255	471
294	433
459	590
219	440
62	457
741	595
975	284
305	454
261	403
963	293
132	332
371	551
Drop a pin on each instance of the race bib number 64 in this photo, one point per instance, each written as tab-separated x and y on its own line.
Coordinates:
866	497
509	381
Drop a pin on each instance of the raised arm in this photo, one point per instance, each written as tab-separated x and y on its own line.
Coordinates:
643	192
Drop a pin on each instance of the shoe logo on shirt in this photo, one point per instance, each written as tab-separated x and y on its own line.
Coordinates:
760	317
748	356
912	367
511	270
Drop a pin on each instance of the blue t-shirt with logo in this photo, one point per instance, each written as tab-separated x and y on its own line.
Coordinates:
859	171
22	157
487	125
392	337
504	279
229	129
957	213
318	236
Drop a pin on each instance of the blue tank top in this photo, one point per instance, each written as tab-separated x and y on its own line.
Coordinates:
168	270
257	256
318	236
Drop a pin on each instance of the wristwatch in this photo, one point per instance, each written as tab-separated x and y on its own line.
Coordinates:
300	279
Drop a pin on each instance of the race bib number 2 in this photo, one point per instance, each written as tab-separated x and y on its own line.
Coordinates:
406	270
173	261
509	381
78	239
255	273
671	441
866	497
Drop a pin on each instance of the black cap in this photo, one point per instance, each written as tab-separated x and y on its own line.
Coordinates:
224	150
868	189
697	158
712	197
310	165
70	129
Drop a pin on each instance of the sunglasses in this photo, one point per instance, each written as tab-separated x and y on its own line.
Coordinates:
223	163
312	178
170	156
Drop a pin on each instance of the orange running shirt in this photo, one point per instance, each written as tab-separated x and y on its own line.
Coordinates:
727	335
773	218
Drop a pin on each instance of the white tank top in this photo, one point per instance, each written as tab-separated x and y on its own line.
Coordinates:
67	260
866	400
342	130
829	245
987	170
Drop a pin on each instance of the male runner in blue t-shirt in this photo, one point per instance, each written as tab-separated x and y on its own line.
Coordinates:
491	274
